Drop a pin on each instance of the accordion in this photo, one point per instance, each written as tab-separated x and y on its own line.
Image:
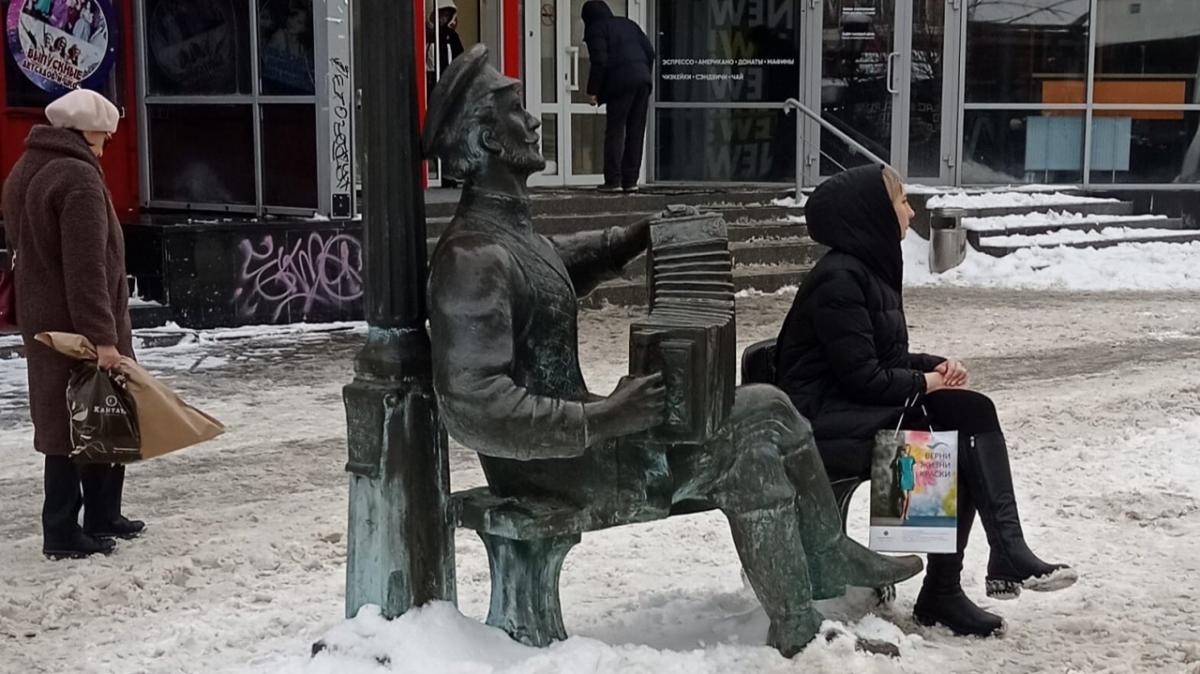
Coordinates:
690	332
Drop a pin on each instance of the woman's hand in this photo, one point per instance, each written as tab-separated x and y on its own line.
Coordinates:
953	372
107	357
934	381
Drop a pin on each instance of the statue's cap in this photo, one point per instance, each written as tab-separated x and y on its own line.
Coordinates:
468	78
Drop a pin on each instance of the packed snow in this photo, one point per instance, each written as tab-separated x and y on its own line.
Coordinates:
1004	223
1065	237
1011	199
791	202
1128	266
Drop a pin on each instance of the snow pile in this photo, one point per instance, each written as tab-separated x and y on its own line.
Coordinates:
437	638
1003	223
1142	266
1011	199
791	202
1061	237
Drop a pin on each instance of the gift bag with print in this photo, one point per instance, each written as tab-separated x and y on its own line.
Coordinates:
914	490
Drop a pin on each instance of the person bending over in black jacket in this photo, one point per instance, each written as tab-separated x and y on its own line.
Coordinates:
621	77
842	357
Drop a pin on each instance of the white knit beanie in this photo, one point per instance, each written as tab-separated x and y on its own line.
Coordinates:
84	110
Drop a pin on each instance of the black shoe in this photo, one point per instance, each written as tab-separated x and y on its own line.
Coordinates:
630	189
77	546
121	527
1012	566
609	188
951	608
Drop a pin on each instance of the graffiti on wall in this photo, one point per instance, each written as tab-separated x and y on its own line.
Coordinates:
315	271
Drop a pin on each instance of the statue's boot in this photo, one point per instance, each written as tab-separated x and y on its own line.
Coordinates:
1012	566
942	600
834	559
769	545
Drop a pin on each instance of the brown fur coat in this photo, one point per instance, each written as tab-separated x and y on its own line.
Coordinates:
70	270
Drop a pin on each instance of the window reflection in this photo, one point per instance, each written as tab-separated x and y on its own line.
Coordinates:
285	46
1026	51
197	47
1147	52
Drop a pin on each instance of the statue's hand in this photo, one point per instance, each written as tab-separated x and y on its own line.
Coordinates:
637	404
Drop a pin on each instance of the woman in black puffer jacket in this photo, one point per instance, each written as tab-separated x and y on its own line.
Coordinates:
843	358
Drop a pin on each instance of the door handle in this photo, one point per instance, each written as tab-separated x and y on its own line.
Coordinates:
573	76
891	72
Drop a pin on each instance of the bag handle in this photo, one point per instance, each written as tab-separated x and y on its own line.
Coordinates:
909	404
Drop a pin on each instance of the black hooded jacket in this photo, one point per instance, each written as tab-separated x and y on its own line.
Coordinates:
842	354
621	54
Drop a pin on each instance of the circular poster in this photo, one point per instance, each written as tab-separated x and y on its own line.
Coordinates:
62	45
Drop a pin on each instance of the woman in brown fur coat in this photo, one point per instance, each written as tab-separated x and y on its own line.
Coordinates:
70	277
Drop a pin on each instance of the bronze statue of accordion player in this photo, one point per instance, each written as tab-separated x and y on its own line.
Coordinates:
503	320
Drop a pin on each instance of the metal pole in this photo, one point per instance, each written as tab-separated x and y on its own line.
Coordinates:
400	541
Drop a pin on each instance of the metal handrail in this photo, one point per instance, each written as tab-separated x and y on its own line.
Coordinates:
793	104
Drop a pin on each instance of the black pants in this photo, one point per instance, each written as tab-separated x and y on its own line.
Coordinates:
70	486
624	136
968	412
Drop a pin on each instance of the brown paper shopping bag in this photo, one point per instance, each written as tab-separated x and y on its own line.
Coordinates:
165	421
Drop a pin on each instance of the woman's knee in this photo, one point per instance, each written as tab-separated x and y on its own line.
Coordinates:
963	410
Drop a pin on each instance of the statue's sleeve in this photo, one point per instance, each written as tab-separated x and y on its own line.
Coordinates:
474	289
598	256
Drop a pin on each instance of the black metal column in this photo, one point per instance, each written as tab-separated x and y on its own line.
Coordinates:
400	542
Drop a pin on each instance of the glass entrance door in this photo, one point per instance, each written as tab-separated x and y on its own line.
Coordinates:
883	82
556	90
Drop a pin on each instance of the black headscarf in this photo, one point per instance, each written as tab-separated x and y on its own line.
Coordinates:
852	213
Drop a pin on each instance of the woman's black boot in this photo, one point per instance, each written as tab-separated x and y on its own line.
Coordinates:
1012	566
942	600
103	488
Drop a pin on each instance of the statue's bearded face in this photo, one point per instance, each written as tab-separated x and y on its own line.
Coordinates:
516	133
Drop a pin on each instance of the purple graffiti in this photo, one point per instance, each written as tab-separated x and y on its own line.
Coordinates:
320	270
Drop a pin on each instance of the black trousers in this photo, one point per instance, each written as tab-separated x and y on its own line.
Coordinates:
96	488
968	412
624	136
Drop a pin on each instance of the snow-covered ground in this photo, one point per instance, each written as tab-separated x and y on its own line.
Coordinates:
1061	237
1133	266
243	566
1010	199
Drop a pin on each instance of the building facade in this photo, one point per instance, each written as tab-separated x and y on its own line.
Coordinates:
234	162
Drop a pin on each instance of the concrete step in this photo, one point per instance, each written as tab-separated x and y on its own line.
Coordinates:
997	249
765	278
581	221
1071	203
441	203
976	230
149	315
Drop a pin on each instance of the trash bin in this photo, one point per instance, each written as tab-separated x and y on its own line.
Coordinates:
947	239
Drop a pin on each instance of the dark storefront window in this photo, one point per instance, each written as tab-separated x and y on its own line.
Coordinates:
201	72
728	51
197	47
285	47
1147	52
1022	146
202	153
289	141
1145	146
1026	51
713	54
721	144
